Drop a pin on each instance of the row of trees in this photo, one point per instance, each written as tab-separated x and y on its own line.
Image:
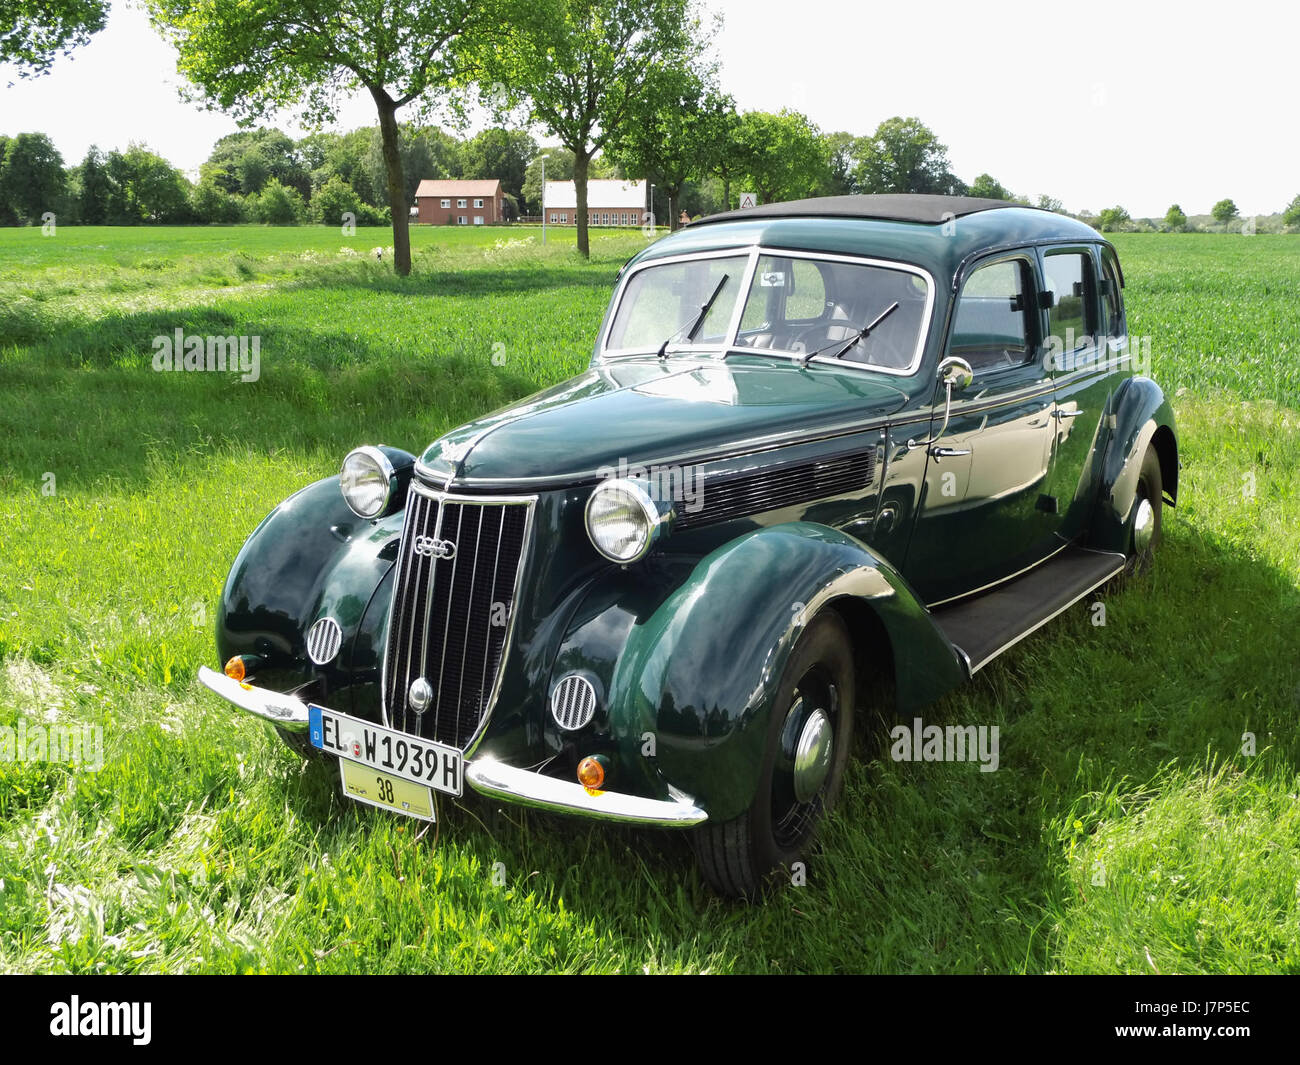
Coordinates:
1223	216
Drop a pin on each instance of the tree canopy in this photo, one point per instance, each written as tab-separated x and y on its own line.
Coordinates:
33	33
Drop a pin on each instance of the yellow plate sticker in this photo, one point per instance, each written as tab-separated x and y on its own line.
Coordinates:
388	792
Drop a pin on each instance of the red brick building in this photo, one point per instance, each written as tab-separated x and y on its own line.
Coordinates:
459	203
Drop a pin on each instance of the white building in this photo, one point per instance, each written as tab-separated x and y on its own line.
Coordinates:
609	203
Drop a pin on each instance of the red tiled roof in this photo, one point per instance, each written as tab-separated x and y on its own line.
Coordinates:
431	187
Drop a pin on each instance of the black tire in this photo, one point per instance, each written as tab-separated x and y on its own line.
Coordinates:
1150	487
738	857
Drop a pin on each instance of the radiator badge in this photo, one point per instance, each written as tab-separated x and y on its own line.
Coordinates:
434	548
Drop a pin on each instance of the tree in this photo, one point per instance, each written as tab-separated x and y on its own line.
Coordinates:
1113	218
988	187
669	138
903	155
842	151
34	32
252	58
1291	216
784	155
1224	211
1175	220
31	177
279	205
333	200
725	159
95	188
581	67
1049	203
499	153
210	203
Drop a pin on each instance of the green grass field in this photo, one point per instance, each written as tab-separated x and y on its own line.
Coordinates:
1126	830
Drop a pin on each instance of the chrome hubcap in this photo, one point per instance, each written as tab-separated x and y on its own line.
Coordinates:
812	756
1144	525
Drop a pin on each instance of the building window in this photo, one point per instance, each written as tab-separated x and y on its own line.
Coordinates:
478	219
554	218
460	203
461	220
446	203
478	203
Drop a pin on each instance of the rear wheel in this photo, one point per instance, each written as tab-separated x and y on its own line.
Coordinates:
1144	521
809	736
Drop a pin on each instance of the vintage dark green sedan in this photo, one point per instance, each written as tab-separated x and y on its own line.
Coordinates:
822	446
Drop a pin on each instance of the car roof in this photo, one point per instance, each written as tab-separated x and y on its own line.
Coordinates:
938	233
895	207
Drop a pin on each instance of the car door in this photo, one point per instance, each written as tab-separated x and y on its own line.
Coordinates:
1086	338
980	518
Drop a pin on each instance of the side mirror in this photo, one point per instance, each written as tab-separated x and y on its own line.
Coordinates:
955	373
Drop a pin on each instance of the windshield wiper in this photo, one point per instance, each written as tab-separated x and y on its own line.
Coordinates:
695	322
861	334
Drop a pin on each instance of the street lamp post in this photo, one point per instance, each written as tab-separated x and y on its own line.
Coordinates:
543	201
652	207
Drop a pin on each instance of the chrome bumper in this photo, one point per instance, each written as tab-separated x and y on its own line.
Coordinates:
485	775
490	777
285	711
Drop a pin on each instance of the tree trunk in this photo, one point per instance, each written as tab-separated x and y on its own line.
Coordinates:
580	161
726	191
396	181
673	224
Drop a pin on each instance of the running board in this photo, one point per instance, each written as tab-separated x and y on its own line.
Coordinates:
983	627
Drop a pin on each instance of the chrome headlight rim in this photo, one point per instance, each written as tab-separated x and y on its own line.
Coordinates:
656	519
385	468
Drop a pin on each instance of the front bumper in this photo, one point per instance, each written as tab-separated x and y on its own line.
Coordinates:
485	775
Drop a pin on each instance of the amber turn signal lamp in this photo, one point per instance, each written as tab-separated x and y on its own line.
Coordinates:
235	668
591	774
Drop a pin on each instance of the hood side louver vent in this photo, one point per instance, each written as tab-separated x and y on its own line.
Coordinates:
739	495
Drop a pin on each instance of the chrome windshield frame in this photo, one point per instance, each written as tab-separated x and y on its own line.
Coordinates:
754	252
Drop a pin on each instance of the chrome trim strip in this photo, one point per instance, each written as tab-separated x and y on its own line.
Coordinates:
755	251
1000	580
496	780
284	711
977	666
753	447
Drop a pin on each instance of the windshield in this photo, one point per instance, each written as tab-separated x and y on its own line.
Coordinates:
792	305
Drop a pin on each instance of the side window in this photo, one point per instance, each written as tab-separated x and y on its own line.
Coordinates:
991	327
1112	296
1072	314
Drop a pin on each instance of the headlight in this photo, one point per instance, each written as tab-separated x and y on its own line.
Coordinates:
367	481
623	521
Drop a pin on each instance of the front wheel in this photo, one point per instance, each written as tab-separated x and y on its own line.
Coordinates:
809	736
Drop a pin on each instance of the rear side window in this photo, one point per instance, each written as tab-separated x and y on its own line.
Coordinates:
1112	297
991	327
1071	316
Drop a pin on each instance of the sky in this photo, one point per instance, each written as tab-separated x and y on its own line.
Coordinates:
1133	103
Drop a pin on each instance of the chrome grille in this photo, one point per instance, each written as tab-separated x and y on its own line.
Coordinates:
453	606
324	640
739	495
573	703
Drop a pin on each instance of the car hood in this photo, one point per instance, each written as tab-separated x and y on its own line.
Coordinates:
643	411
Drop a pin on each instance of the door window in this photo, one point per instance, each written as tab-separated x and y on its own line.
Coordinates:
1071	318
992	326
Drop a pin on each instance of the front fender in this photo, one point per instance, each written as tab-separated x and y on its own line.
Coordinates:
311	557
689	682
1143	416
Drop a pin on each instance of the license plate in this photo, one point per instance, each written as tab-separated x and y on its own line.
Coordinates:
386	791
397	754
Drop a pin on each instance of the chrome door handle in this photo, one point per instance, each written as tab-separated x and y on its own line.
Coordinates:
1058	413
948	452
